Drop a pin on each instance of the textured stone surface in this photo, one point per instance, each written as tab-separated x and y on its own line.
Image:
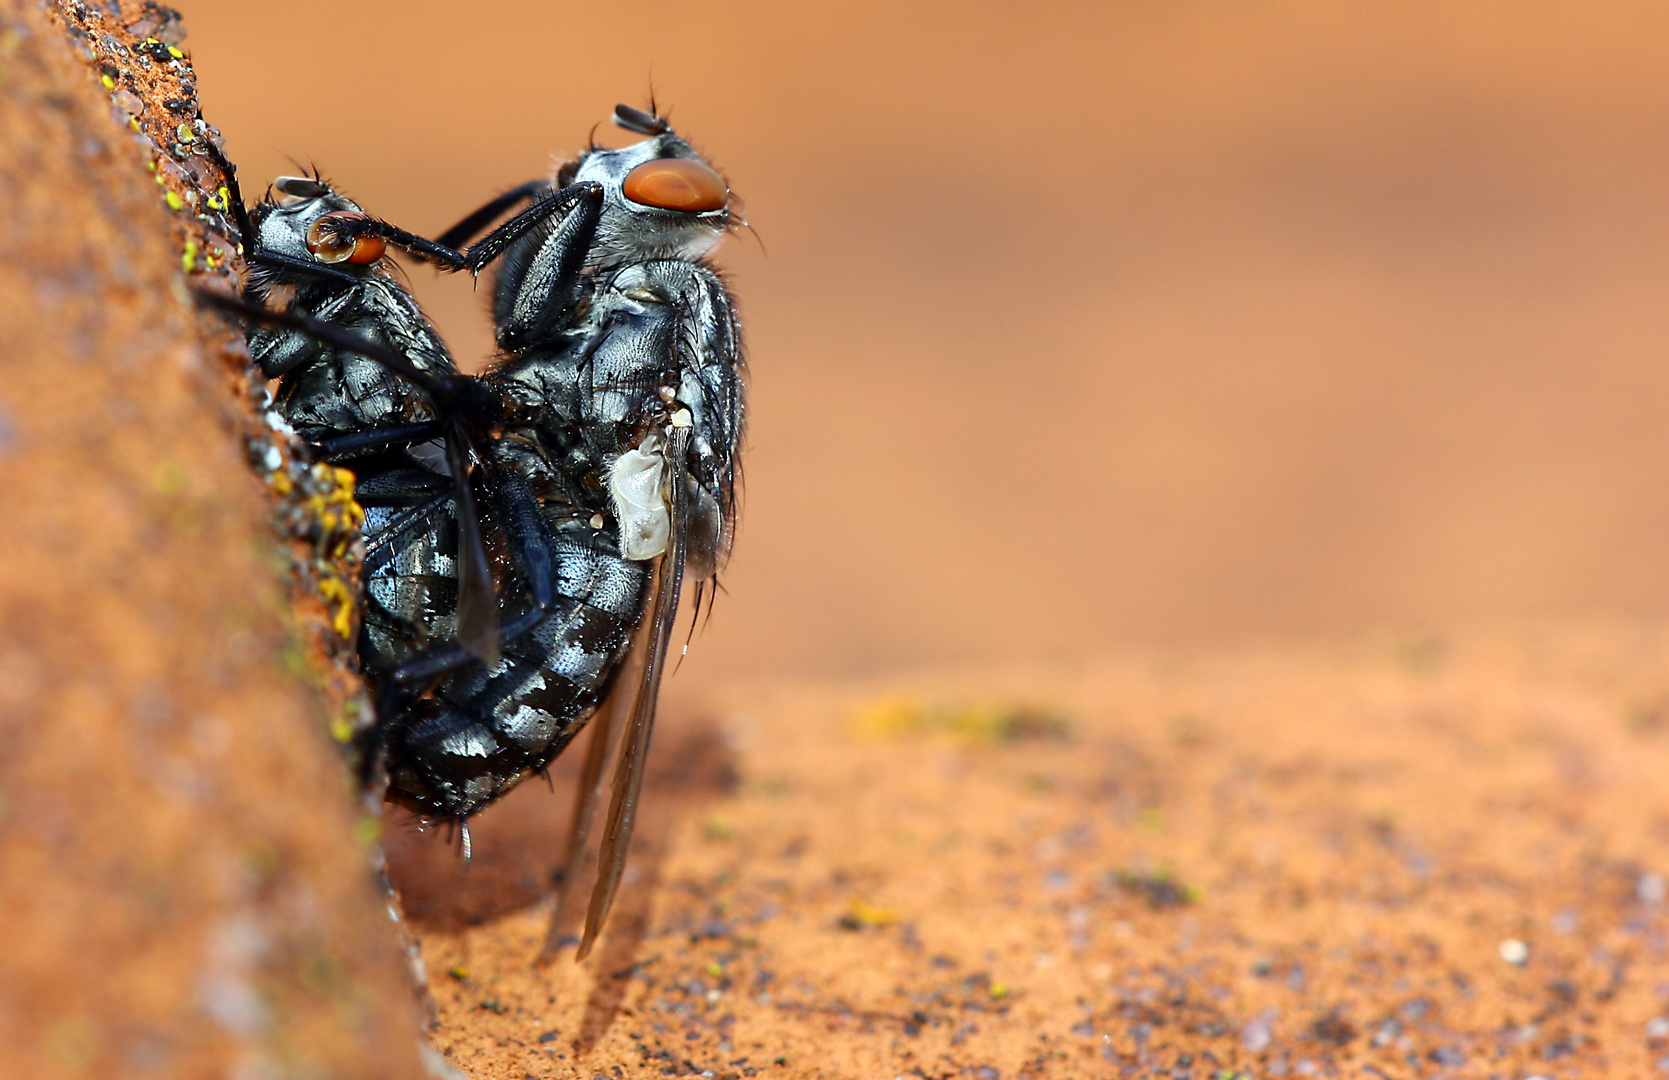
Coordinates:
180	886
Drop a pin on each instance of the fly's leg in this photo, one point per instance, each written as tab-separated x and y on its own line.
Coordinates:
240	212
486	215
323	271
388	438
452	395
444	251
345	231
582	205
536	294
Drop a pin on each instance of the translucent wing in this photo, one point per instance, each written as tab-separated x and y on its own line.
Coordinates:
634	752
586	798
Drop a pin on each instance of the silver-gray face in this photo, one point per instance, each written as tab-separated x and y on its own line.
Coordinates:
634	232
296	203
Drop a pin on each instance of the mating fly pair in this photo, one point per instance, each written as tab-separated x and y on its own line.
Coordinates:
522	528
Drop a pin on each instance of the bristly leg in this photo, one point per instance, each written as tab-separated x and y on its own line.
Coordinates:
478	601
479	219
346	231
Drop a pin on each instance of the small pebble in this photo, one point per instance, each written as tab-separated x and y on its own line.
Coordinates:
1451	1056
1651	888
1256	1036
1657	1027
1515	952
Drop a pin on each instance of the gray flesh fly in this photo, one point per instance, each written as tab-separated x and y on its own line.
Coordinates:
528	533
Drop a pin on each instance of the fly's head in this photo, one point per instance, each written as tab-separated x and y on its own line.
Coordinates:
295	220
661	200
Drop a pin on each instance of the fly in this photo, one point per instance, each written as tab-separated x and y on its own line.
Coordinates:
524	527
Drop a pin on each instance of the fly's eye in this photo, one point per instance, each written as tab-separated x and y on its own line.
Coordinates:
676	184
327	247
296	189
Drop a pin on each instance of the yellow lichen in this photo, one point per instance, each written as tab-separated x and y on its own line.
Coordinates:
338	516
339	596
972	722
367	830
866	916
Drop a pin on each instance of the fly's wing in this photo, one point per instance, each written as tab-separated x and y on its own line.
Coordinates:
634	753
477	601
586	798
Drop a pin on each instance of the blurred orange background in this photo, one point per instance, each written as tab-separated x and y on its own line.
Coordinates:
1085	326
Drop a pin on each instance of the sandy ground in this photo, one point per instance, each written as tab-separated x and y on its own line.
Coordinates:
1430	857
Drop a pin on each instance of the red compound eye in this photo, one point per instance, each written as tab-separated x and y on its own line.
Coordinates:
676	184
331	249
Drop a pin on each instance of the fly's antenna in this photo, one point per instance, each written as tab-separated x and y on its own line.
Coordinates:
643	123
